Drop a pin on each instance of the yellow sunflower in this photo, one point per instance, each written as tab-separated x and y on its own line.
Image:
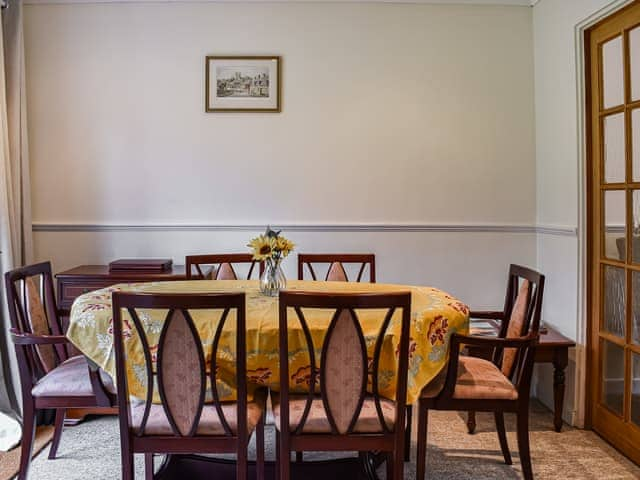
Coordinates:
284	245
262	247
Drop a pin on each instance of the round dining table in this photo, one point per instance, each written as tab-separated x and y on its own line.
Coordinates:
435	315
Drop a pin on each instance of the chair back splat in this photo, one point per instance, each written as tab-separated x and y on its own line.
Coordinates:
32	310
223	264
336	270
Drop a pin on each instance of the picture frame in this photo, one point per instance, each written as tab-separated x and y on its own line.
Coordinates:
242	83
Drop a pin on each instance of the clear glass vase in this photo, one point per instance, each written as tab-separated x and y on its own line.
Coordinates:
272	279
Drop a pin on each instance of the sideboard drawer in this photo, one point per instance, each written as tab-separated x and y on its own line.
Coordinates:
69	291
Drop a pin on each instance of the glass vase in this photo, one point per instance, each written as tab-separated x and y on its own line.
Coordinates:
272	279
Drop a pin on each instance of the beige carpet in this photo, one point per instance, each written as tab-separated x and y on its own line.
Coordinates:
571	454
91	451
10	461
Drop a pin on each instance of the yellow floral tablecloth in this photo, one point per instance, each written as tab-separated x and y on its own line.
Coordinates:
435	316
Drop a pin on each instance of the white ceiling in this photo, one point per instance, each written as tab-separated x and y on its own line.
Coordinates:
521	3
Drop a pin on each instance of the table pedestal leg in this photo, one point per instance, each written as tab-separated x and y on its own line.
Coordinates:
370	462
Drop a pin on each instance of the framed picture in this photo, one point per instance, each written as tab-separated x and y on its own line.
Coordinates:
242	84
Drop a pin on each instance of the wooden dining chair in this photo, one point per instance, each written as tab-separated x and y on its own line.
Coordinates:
50	378
223	265
336	262
499	385
182	422
338	413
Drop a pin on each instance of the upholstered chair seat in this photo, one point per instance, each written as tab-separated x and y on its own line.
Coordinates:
477	379
70	378
209	423
317	421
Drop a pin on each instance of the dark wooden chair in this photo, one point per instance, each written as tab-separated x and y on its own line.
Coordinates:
500	385
337	413
182	422
50	378
336	271
222	263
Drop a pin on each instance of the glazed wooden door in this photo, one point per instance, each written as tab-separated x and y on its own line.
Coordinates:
613	55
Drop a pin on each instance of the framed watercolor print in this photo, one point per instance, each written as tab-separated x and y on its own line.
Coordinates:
242	84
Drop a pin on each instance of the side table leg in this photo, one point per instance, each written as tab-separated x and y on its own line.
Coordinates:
560	361
471	421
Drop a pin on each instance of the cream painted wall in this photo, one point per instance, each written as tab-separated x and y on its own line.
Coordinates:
391	113
394	114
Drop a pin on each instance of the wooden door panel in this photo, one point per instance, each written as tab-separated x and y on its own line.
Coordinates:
614	228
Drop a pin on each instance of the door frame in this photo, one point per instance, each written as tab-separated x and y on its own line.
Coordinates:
584	393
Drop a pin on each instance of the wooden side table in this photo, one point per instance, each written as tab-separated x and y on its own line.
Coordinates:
86	278
553	348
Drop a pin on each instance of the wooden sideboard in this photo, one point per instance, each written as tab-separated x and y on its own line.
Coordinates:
86	278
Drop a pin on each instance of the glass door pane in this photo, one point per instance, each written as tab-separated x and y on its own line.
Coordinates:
634	56
635	307
635	389
613	377
612	73
614	148
613	315
615	221
635	143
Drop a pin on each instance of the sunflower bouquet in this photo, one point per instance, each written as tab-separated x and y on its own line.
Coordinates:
271	248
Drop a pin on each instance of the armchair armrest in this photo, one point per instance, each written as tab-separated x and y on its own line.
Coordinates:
489	342
30	339
488	315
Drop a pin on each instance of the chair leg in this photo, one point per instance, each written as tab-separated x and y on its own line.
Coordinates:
28	434
421	457
523	443
260	449
398	464
471	422
278	455
502	436
407	434
127	462
285	456
148	466
389	466
57	432
242	466
299	457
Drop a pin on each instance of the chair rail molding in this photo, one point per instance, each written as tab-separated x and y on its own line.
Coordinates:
562	230
513	3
